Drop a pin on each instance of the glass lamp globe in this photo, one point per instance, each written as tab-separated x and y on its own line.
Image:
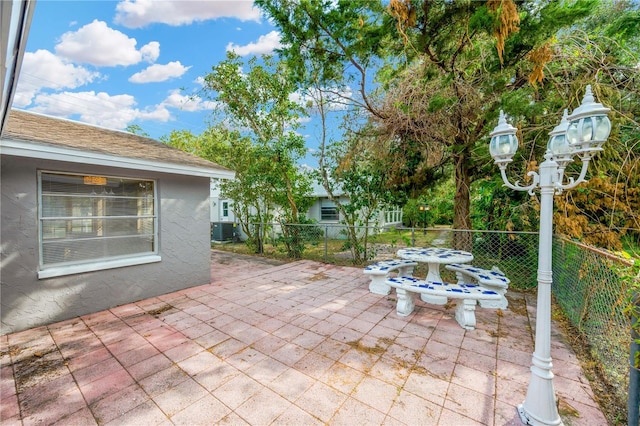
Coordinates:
504	142
558	146
589	126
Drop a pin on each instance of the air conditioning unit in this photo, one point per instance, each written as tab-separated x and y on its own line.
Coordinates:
223	231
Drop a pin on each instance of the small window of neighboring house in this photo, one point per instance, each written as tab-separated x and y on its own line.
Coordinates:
95	222
225	209
328	210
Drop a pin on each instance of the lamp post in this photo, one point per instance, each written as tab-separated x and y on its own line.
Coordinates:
580	134
424	209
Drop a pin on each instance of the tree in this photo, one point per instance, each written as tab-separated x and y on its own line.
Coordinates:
137	130
599	51
442	64
355	168
259	103
352	169
251	192
350	164
606	50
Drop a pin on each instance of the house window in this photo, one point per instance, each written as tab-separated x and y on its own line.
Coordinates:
328	211
91	220
225	209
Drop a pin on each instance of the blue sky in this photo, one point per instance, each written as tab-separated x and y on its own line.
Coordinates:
118	63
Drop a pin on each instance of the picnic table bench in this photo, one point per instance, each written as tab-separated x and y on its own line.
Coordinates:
491	279
379	272
408	287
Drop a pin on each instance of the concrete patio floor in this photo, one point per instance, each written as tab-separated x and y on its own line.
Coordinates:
299	343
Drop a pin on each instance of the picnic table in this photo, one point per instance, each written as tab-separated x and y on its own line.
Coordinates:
434	257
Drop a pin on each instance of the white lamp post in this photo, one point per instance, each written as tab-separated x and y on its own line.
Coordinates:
580	134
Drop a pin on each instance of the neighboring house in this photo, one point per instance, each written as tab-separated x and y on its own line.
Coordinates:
94	218
224	226
221	208
325	211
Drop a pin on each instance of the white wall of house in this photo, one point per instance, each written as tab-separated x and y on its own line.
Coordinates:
324	211
221	208
224	226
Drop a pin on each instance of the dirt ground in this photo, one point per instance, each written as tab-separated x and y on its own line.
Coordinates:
226	264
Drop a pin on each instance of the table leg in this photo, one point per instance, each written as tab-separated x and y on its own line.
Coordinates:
405	303
434	275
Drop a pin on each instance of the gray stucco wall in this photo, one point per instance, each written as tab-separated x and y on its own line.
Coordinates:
27	302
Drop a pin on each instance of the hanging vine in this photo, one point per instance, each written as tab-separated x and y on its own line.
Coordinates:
507	21
405	15
539	57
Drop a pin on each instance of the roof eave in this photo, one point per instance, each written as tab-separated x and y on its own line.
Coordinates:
16	21
33	150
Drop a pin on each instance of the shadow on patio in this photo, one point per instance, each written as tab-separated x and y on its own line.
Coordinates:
299	343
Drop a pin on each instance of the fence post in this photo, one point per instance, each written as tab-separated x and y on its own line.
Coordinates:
634	370
326	242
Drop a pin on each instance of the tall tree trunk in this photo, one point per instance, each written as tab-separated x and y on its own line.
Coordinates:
462	203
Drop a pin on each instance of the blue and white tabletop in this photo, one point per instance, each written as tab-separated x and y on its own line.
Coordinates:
435	255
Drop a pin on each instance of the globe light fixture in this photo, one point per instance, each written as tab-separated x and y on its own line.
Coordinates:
580	134
504	142
589	125
558	146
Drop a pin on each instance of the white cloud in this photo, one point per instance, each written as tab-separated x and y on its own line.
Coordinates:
44	70
157	73
101	109
187	103
139	13
158	113
99	45
150	51
114	111
266	44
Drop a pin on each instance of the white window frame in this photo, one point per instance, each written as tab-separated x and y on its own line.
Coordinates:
331	206
225	210
94	264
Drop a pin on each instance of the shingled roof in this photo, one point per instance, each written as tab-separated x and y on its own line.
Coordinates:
29	127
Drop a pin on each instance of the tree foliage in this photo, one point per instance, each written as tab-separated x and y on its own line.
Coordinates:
444	70
590	52
252	195
137	130
606	210
442	65
424	80
356	167
259	104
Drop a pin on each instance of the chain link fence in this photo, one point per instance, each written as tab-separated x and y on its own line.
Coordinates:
594	290
591	287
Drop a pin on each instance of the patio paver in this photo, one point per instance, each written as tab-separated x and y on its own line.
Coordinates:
301	343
